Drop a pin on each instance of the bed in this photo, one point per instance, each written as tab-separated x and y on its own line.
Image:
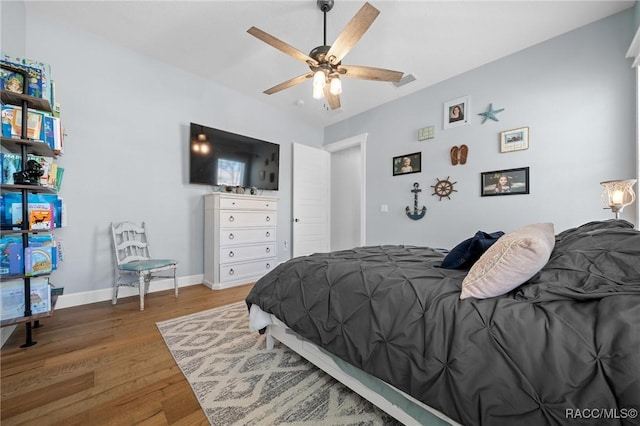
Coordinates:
562	347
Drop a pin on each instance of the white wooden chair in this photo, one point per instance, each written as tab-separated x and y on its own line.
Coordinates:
134	267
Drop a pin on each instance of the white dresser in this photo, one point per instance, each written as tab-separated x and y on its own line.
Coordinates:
239	238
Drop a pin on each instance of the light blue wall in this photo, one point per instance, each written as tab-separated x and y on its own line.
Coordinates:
126	152
576	93
12	29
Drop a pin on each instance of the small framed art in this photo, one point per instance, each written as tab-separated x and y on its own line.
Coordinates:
505	182
514	140
408	163
456	112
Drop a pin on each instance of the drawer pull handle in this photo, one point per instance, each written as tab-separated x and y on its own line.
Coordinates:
231	236
268	234
268	219
268	266
231	254
231	219
268	250
231	272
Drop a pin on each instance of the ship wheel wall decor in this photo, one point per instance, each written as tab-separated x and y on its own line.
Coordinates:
443	188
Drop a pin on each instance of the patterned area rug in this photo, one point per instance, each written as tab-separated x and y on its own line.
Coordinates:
238	382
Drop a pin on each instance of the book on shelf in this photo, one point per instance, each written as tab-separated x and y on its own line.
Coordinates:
7	121
38	260
12	297
34	124
47	165
39	69
12	255
10	163
41	219
14	81
11	81
58	135
11	208
48	131
59	176
12	123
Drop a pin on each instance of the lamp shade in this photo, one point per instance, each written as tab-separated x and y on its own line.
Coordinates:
616	194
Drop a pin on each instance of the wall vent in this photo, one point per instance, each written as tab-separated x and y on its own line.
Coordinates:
406	79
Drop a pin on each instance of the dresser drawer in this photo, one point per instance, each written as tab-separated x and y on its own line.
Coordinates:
240	253
246	236
247	204
254	269
239	219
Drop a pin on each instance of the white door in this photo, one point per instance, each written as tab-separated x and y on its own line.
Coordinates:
310	200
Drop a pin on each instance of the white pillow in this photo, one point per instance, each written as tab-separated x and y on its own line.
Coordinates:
511	261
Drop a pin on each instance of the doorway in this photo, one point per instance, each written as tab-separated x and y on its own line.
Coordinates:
347	193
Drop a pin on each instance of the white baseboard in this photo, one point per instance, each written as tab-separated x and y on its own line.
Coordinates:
86	297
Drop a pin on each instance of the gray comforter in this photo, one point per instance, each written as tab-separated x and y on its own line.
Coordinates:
564	348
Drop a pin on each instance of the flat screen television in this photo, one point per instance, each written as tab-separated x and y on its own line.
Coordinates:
217	157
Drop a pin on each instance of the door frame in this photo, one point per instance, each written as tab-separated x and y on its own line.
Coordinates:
361	141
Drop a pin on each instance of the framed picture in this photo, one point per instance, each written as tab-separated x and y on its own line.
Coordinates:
514	140
408	163
505	182
456	112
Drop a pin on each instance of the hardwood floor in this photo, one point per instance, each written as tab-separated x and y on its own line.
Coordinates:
101	364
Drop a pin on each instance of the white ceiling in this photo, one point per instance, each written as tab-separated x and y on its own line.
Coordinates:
432	40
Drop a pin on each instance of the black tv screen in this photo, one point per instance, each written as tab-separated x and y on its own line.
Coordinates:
221	158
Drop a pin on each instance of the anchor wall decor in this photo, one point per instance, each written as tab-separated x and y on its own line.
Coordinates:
416	214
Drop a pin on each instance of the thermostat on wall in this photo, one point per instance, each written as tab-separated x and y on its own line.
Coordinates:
425	133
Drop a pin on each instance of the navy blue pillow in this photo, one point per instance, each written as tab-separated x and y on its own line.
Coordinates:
465	254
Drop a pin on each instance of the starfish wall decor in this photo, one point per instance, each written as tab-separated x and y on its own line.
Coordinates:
490	113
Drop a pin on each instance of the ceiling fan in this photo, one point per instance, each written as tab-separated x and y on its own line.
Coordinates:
325	61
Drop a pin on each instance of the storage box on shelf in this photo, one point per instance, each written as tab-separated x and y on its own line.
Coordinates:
240	238
36	298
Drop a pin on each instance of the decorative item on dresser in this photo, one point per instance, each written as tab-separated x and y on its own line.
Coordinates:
240	238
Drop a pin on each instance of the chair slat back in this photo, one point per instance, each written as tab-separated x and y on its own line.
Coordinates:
129	242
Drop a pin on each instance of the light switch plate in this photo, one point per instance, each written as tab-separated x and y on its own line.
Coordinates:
425	133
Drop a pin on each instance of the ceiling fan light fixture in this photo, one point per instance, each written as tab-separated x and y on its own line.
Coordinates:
325	61
336	86
319	79
318	92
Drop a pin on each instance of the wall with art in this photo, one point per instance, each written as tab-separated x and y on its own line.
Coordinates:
556	119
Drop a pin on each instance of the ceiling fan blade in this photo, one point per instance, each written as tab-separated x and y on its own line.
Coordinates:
289	83
281	46
333	100
369	73
350	35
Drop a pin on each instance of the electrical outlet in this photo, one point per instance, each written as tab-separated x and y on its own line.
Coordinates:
286	244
